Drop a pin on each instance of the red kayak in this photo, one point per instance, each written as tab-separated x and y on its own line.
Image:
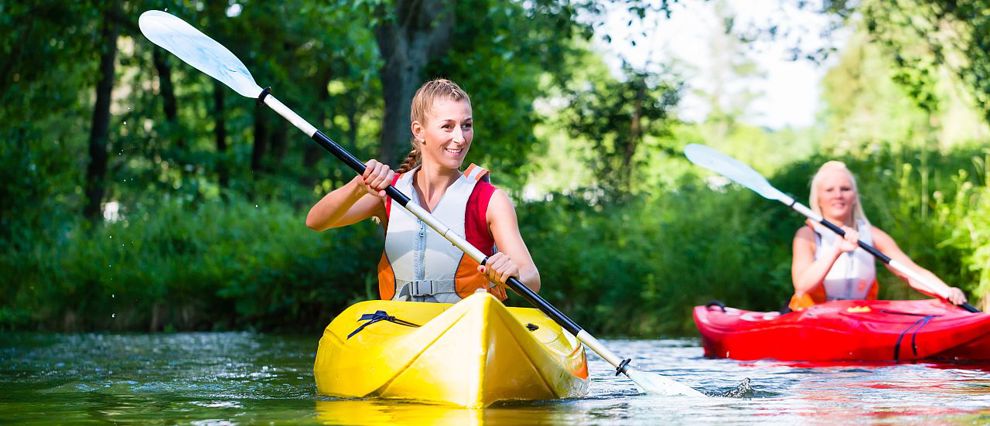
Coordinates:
848	330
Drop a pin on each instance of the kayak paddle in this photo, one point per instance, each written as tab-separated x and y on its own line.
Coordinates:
205	54
744	175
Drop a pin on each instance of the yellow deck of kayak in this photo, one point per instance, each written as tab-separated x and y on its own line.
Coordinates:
470	354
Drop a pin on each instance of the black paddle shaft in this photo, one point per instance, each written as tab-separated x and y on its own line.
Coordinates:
879	255
513	282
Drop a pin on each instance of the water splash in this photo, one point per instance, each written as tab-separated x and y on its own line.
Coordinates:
743	390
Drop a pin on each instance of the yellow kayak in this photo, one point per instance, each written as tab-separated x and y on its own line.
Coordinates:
471	354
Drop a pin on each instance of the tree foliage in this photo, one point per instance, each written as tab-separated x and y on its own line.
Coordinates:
97	118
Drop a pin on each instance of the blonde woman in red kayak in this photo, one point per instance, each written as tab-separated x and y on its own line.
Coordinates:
826	266
417	263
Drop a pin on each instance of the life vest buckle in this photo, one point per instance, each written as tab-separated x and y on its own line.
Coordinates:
422	288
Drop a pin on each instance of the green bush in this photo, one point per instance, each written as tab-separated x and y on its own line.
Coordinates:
169	265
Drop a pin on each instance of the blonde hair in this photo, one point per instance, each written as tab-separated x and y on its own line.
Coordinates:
857	212
422	104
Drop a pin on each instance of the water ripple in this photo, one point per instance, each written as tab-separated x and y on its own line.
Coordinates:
226	378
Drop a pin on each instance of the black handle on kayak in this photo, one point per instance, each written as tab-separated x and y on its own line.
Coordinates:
883	258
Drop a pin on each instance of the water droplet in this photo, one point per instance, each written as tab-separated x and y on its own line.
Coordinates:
113	315
109	266
255	206
111	237
113	296
125	123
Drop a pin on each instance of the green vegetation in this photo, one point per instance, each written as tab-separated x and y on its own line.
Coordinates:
201	200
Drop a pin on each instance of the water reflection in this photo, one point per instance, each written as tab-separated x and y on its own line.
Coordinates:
361	412
249	378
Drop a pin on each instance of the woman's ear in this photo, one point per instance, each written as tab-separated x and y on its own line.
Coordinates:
417	131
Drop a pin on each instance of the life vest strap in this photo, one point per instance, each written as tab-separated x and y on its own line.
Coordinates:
421	288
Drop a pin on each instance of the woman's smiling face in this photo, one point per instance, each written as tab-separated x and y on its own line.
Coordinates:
836	195
446	135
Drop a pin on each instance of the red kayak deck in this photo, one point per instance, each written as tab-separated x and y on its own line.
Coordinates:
848	330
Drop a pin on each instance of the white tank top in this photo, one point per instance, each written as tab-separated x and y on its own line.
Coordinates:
853	273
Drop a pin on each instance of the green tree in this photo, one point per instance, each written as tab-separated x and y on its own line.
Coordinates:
617	117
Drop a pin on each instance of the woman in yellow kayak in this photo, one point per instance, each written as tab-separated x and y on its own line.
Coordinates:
826	266
418	264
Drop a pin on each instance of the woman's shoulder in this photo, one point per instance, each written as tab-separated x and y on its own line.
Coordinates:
804	232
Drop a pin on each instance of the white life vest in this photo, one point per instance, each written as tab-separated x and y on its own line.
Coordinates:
418	264
854	274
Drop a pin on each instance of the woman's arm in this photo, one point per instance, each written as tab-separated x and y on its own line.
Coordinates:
513	258
807	273
359	199
883	242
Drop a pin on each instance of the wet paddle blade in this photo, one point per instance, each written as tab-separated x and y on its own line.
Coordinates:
199	50
731	168
655	384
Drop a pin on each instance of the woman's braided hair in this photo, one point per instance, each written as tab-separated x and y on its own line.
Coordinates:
422	104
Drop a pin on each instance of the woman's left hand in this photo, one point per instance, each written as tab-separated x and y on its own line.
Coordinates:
499	268
956	296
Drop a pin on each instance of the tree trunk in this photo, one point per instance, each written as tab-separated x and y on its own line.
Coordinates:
166	89
420	31
100	128
167	92
279	143
260	138
220	133
635	135
312	152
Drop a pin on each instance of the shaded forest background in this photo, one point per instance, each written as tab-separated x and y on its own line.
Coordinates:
138	194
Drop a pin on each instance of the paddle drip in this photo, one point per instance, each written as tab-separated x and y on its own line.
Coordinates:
743	390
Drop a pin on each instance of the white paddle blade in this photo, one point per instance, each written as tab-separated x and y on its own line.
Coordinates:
731	168
655	384
199	50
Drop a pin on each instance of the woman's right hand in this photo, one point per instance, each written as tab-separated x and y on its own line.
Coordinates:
376	177
956	296
850	242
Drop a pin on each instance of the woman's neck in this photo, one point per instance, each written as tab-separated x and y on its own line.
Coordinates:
432	182
843	221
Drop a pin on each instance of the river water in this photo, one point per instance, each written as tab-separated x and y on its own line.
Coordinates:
246	378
